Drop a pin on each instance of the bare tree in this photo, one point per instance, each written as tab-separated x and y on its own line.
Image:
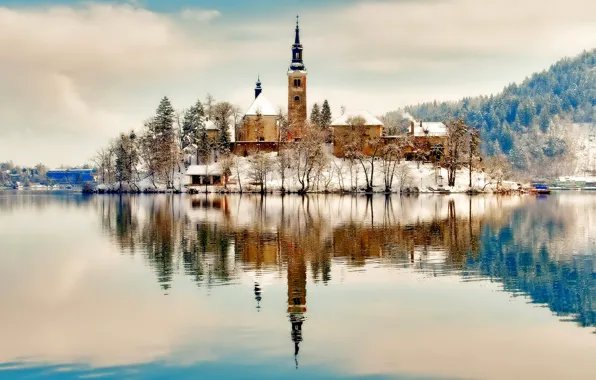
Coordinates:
308	153
209	104
404	177
283	164
455	149
227	164
236	163
104	161
284	126
362	146
260	167
473	151
237	116
339	169
391	154
497	168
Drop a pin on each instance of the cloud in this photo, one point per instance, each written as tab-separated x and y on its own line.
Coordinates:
202	15
87	72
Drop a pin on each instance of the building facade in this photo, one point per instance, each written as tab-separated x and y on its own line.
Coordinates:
356	131
259	130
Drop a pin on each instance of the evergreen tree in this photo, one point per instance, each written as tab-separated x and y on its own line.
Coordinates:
164	119
203	144
326	120
194	119
326	115
160	140
224	140
315	115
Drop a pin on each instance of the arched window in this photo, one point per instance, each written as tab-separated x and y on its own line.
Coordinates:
296	98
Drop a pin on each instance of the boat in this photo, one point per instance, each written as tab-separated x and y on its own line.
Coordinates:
539	189
439	190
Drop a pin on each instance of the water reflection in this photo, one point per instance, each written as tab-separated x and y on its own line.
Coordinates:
210	239
249	248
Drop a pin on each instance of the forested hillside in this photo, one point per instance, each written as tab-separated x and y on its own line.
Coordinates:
530	121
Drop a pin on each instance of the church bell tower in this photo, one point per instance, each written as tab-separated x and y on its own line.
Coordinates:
296	89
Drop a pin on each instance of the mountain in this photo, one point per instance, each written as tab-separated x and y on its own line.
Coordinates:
531	121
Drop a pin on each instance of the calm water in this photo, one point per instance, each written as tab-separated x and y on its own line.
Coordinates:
234	287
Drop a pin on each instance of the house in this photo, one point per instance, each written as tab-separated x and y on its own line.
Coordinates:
355	127
206	175
426	138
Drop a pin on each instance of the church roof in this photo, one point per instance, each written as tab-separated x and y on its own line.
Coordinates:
210	126
212	169
369	119
261	105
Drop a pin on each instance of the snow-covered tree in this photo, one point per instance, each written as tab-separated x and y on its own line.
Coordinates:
192	127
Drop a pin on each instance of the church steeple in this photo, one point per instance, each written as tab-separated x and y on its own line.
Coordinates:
258	88
297	63
296	90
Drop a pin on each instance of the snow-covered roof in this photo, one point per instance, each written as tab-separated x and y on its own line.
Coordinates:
430	129
261	106
210	125
369	119
211	169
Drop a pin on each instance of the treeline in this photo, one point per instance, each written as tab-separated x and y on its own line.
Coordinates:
158	151
563	94
10	174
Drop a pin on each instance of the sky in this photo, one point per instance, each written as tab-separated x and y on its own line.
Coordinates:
74	74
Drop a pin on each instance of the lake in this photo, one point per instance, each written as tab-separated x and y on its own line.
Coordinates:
317	287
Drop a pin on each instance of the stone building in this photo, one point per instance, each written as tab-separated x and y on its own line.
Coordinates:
259	130
355	128
260	127
426	138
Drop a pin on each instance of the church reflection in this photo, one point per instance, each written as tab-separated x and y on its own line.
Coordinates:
217	240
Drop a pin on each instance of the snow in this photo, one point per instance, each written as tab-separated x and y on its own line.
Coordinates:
369	119
421	176
212	169
210	126
430	129
261	106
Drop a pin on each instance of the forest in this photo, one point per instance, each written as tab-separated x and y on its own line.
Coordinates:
530	121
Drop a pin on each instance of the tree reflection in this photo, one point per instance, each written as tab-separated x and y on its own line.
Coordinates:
217	238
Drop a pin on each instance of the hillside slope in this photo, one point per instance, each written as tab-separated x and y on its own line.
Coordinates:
529	121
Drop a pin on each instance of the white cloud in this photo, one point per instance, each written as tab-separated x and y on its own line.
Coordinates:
202	15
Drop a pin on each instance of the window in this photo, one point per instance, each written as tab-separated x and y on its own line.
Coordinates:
297	82
297	55
296	98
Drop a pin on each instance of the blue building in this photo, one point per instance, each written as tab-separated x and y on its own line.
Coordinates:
71	176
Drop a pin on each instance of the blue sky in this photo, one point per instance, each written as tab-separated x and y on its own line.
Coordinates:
77	73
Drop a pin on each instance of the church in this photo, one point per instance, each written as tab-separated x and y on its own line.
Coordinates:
261	128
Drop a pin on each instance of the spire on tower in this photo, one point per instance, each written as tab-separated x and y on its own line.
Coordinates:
258	88
297	39
297	63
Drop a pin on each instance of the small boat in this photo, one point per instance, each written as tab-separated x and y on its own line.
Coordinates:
539	188
439	190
